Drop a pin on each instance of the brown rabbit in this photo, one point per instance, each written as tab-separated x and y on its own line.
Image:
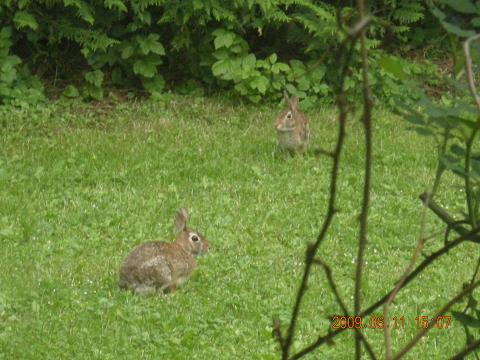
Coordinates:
158	265
292	126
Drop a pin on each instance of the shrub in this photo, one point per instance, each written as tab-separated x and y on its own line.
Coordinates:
255	48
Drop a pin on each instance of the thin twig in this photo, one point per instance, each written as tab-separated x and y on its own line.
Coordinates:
468	186
443	215
469	70
286	343
422	332
367	124
474	276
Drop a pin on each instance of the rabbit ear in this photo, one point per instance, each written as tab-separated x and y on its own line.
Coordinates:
181	219
294	102
285	95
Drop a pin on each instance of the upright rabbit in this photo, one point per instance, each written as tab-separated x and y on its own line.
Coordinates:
292	126
158	265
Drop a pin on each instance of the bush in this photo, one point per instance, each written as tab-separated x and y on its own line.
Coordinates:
255	48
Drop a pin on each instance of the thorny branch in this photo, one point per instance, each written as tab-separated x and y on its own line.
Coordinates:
349	42
469	70
367	124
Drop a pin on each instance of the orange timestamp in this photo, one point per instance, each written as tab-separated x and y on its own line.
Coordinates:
396	322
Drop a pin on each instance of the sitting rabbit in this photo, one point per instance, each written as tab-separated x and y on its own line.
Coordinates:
292	127
158	265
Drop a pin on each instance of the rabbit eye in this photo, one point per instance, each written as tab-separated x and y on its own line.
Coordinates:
194	238
289	115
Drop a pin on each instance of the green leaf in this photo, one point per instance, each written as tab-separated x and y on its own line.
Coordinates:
115	4
392	65
150	44
321	89
272	58
298	68
303	84
248	62
241	88
221	54
457	150
71	92
254	98
238	48
223	38
94	77
8	73
440	15
278	67
466	320
220	67
155	85
24	19
127	51
145	68
263	64
318	73
5	34
462	6
454	29
260	83
453	164
83	10
93	92
291	89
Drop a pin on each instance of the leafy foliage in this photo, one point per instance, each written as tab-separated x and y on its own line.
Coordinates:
15	80
256	48
454	122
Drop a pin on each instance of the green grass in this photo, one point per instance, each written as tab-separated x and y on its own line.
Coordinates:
80	187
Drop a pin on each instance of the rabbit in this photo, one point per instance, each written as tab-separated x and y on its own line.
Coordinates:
292	126
159	266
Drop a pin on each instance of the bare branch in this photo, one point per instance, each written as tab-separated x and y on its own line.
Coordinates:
312	249
469	70
367	124
443	215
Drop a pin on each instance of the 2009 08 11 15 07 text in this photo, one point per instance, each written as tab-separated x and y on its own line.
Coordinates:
396	322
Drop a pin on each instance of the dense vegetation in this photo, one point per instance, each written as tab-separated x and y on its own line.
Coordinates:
255	48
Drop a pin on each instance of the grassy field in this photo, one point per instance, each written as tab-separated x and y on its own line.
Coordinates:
81	186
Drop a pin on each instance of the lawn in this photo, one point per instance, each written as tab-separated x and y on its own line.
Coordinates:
81	185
